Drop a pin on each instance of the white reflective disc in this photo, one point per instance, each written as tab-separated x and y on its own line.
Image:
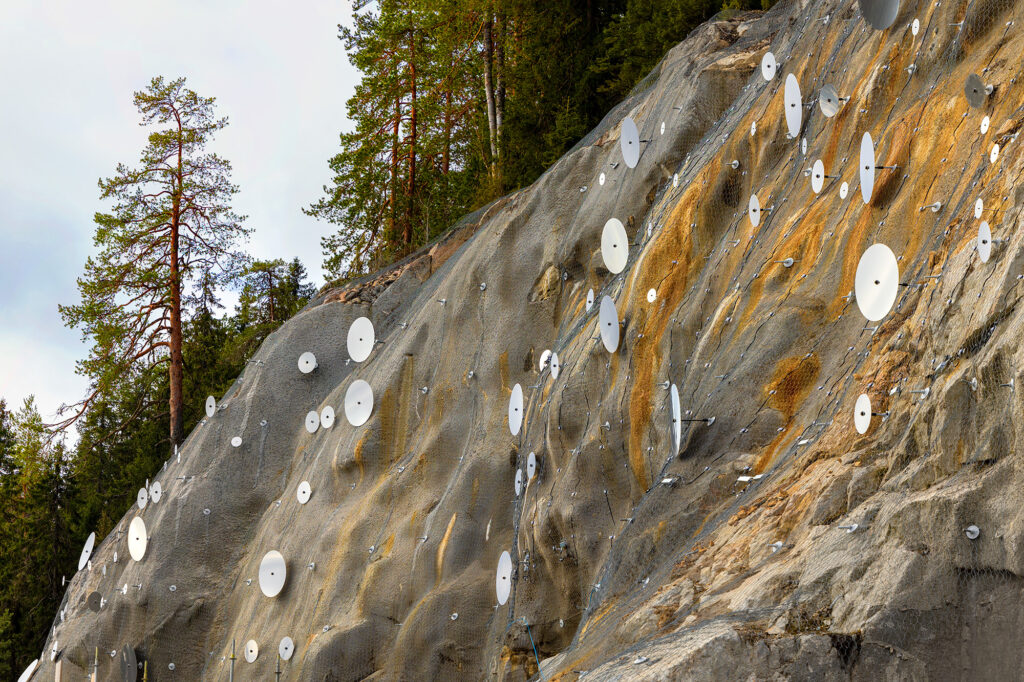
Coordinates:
915	27
614	246
307	362
629	142
137	538
994	154
754	210
272	573
361	338
503	578
531	466
590	299
142	498
984	125
677	426
515	410
211	406
252	651
817	176
984	241
83	558
519	482
609	323
555	366
867	168
652	295
303	492
543	362
768	66
236	442
155	491
844	189
876	282
286	648
327	417
793	105
358	402
862	413
312	421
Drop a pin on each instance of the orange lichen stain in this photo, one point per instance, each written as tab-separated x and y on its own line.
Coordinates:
792	381
503	369
439	562
476	492
394	415
358	454
659	533
388	544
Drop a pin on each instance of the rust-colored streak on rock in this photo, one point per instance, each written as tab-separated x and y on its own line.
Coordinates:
439	563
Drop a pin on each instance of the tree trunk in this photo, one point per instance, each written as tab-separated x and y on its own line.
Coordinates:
489	90
392	208
176	400
499	83
411	210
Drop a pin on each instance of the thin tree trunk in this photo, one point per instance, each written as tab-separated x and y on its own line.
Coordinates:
176	400
446	153
407	235
489	90
499	80
392	233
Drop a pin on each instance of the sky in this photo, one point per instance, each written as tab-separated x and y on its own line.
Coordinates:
67	73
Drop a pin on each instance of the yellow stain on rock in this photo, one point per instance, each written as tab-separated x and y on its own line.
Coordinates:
439	563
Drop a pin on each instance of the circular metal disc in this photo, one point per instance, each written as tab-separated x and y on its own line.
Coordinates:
979	207
867	167
142	498
236	442
608	319
94	601
793	105
984	241
358	402
515	410
272	573
876	282
817	176
828	100
754	210
844	189
915	27
862	413
307	362
519	482
327	417
974	91
531	466
211	406
629	141
753	128
675	179
286	648
768	66
614	246
252	650
83	559
652	295
129	664
555	366
29	671
155	491
994	154
601	179
880	14
360	339
590	299
303	492
803	146
677	426
543	362
137	538
503	579
984	125
312	421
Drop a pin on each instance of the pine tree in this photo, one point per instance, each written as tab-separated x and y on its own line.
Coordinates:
171	225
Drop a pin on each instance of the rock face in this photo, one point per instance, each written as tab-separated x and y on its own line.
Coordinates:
778	542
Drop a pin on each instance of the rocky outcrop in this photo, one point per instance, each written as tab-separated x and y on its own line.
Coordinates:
778	543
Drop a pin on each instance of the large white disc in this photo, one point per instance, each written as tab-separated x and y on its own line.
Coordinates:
83	559
312	421
984	241
608	319
828	100
358	402
880	14
877	281
515	410
614	246
360	339
327	417
754	210
519	482
768	66
286	648
137	538
307	362
142	498
862	413
503	579
629	141
793	104
555	366
252	651
817	176
155	491
211	406
867	167
915	27
303	492
272	573
531	466
677	425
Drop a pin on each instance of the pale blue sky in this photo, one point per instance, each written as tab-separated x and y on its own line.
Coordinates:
67	72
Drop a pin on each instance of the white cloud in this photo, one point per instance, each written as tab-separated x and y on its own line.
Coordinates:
67	73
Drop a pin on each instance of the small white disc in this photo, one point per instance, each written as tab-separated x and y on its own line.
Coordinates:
675	179
519	482
252	651
862	413
629	142
303	492
915	27
307	362
556	367
358	402
844	189
652	295
515	410
803	146
817	176
272	573
984	125
994	154
544	358
137	538
984	241
609	323
793	105
312	421
754	210
768	66
155	491
503	579
236	442
211	406
876	281
867	167
360	339
286	648
142	498
677	425
662	127
590	299
531	466
327	417
83	559
614	246
753	128
979	207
